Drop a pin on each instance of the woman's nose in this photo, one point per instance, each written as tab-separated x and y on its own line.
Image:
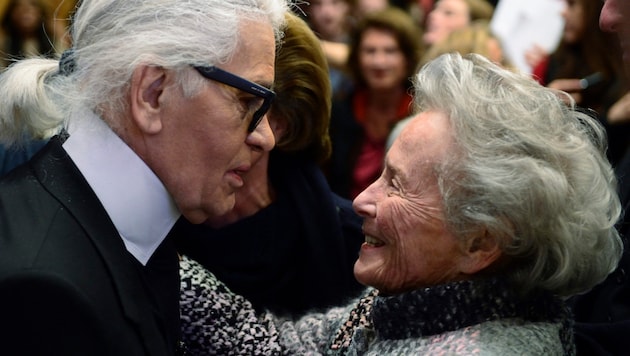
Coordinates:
365	204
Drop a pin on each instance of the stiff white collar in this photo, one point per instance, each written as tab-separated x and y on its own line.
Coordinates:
135	199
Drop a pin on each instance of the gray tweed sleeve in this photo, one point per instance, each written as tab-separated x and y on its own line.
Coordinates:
215	321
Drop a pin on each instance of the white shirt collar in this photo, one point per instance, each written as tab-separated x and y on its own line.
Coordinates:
135	199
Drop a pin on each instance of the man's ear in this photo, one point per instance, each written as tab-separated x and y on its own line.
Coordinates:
480	252
147	90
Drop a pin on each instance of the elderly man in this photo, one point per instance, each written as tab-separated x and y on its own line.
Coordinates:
163	106
603	315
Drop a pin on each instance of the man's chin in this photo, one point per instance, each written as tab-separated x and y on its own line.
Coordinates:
219	215
214	214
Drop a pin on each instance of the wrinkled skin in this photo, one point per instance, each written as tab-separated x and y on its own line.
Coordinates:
408	245
199	147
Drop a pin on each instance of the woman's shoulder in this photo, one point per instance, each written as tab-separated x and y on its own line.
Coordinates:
515	336
524	338
500	337
217	321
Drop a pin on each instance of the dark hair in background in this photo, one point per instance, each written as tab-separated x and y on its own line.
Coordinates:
304	93
596	51
15	38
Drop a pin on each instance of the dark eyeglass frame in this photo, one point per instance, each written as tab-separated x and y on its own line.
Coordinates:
233	80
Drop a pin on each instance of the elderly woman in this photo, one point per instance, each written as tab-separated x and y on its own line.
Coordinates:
496	203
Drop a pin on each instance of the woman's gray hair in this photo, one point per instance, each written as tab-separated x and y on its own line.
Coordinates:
109	39
529	171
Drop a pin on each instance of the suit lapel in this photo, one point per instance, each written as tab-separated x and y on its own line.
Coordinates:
53	167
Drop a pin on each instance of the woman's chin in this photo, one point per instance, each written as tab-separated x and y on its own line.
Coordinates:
365	272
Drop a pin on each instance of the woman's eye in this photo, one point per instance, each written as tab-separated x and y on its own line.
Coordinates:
394	187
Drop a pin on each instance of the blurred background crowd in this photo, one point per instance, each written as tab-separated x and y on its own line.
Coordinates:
33	27
374	46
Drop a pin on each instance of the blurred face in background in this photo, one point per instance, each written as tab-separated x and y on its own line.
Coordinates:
27	16
615	18
364	7
574	25
446	16
383	64
328	18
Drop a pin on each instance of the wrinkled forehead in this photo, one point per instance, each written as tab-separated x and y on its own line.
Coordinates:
253	58
424	142
429	133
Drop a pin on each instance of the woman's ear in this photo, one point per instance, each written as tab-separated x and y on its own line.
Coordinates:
278	127
480	252
147	90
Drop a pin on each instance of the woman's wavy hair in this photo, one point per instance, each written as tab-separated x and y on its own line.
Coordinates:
303	93
479	10
528	170
474	38
110	38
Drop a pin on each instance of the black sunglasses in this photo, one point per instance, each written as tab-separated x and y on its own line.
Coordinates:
227	78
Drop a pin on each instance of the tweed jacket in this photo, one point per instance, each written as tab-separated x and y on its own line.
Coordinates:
464	318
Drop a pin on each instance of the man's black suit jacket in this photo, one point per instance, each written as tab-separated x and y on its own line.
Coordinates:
68	286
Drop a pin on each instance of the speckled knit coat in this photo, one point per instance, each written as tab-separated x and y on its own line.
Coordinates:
463	318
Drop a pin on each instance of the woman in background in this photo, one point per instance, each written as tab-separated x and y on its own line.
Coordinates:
384	54
331	21
450	15
30	30
473	38
584	51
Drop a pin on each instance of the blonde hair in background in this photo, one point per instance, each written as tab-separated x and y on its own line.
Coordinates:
475	38
480	10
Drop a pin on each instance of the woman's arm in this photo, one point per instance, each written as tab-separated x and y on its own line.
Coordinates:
216	321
